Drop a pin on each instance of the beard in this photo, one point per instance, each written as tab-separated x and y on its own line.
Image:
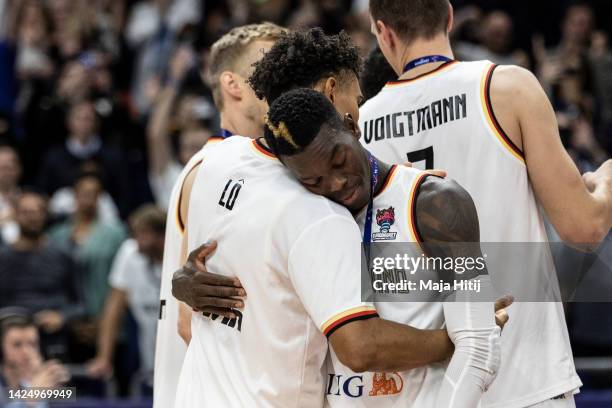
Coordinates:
30	233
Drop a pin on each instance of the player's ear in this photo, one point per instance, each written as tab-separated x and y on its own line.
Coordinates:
330	88
352	126
451	18
230	84
386	34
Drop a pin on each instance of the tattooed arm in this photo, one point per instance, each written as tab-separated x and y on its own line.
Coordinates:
448	224
447	221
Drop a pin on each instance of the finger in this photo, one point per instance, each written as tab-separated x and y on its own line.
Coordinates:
214	279
437	172
503	302
223	312
203	302
219	291
193	255
501	318
408	164
204	250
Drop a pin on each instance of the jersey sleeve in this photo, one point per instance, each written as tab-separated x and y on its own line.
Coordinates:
325	268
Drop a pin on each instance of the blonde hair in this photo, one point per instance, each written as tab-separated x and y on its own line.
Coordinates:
229	49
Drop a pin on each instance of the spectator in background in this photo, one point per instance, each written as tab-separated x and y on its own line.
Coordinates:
164	165
39	276
566	74
10	172
21	364
84	146
495	35
135	281
92	242
152	31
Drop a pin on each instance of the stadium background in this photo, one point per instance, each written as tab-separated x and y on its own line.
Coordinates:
124	78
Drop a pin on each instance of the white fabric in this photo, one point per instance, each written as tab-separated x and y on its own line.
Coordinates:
536	354
139	277
297	256
170	349
471	326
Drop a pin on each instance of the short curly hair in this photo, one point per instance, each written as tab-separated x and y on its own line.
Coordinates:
376	72
301	59
295	119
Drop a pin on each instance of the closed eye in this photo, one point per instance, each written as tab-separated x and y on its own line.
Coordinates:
312	182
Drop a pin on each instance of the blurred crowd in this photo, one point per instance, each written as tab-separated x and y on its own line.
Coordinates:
103	101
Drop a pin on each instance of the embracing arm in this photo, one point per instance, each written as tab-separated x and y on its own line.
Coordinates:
381	345
446	214
184	319
580	208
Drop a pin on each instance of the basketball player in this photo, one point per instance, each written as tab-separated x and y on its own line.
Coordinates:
494	131
241	112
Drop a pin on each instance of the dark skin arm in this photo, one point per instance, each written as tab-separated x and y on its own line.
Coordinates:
445	214
203	291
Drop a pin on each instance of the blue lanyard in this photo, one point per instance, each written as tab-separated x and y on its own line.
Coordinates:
430	59
226	133
367	228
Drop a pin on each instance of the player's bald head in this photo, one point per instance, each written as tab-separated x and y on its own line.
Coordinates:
237	51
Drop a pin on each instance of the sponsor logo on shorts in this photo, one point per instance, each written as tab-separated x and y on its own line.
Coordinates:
386	384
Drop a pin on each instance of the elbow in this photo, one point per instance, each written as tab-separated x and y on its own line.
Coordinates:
357	356
483	348
589	233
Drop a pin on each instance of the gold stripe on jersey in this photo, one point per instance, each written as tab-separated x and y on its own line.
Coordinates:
179	221
388	179
438	70
412	225
214	139
485	98
350	315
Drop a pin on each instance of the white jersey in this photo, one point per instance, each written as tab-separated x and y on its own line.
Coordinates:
170	347
296	254
392	222
444	120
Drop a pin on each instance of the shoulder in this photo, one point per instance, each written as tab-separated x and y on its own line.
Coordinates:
512	83
443	191
128	248
113	229
305	214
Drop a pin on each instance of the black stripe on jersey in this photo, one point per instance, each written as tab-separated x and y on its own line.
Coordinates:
263	146
492	113
353	319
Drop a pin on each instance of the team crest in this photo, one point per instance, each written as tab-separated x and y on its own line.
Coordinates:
385	218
